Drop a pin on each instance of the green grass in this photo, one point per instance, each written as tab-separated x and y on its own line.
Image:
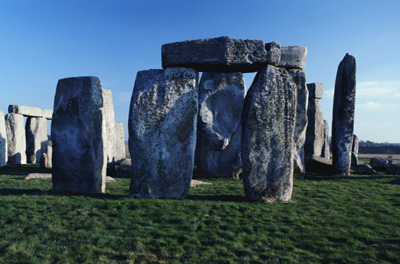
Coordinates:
352	219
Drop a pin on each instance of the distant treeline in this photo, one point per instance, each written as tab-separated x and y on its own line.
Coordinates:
368	147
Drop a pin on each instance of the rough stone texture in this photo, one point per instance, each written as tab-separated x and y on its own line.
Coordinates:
293	57
221	98
299	78
49	153
363	169
319	165
354	151
109	137
16	142
326	150
77	132
119	141
162	132
315	90
379	164
268	121
36	138
30	111
393	168
343	115
43	161
124	169
38	176
3	141
222	54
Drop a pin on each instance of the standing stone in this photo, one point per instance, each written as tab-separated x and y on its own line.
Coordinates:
299	78
120	141
77	132
36	138
343	115
49	153
354	151
109	137
326	150
221	98
44	161
162	132
268	121
16	142
3	141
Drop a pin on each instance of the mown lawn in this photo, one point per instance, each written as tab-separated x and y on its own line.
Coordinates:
352	219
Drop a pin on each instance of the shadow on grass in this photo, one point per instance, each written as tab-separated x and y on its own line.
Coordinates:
222	198
320	177
23	170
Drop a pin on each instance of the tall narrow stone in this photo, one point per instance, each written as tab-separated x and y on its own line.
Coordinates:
221	98
120	141
268	121
326	150
343	115
77	132
162	132
354	151
299	78
3	141
36	138
16	141
109	137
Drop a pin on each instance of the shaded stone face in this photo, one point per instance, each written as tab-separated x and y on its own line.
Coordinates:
354	151
268	122
162	132
293	57
3	141
221	98
109	137
16	141
343	115
36	138
315	130
326	151
77	132
120	141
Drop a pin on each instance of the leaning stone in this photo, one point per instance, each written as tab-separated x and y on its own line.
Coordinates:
162	132
354	151
326	150
343	115
221	98
379	164
363	169
268	121
109	136
222	54
36	138
124	170
30	111
293	57
316	90
77	132
16	141
120	141
3	141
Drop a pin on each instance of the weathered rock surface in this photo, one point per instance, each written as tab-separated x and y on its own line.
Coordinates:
3	141
343	115
315	90
43	160
222	54
36	138
30	111
162	132
362	169
299	78
293	57
124	169
393	168
268	121
77	132
379	164
119	141
319	164
38	176
16	141
49	153
109	136
221	98
326	150
354	151
195	183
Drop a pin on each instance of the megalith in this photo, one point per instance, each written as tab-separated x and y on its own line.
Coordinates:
3	141
162	132
326	150
109	137
36	138
16	141
120	142
49	153
268	121
293	57
343	115
221	98
354	150
78	134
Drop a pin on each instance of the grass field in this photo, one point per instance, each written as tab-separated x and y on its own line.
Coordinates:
352	219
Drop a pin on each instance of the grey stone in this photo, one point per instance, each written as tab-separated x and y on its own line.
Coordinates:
315	90
3	141
319	164
363	169
43	160
124	170
222	54
120	141
110	179
293	57
299	78
195	183
326	150
38	176
30	111
162	132
393	168
49	153
354	151
36	138
16	141
379	164
343	115
268	121
221	98
109	135
77	131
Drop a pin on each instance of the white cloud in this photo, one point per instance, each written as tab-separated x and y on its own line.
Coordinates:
374	89
371	105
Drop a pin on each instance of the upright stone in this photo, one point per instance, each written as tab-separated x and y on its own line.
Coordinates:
77	132
221	98
162	132
110	131
299	78
354	151
268	121
16	142
36	138
343	115
326	150
49	153
3	141
120	141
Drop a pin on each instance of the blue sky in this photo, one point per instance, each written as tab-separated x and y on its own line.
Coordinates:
46	40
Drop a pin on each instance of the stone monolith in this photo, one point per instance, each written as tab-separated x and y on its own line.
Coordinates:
326	150
293	57
30	111
3	141
16	141
268	121
343	115
120	141
36	138
109	137
354	151
77	132
162	132
221	98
